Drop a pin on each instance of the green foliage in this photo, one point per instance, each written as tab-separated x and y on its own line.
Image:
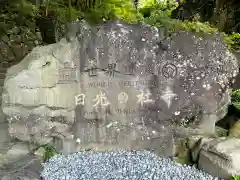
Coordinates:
113	9
199	27
145	3
233	41
17	29
108	10
62	11
235	98
160	10
50	151
16	13
236	178
161	17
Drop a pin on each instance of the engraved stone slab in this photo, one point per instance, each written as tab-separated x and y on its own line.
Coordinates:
128	81
118	84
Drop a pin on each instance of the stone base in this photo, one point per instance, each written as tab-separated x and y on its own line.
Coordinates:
27	167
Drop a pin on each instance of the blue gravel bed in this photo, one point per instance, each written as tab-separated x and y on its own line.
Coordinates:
119	165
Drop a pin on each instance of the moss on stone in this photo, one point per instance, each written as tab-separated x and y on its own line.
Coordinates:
221	132
184	155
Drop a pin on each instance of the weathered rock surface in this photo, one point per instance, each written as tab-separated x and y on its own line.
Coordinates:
195	151
221	157
4	135
16	161
12	151
27	167
116	84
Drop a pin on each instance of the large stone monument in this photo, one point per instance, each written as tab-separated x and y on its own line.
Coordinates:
121	86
